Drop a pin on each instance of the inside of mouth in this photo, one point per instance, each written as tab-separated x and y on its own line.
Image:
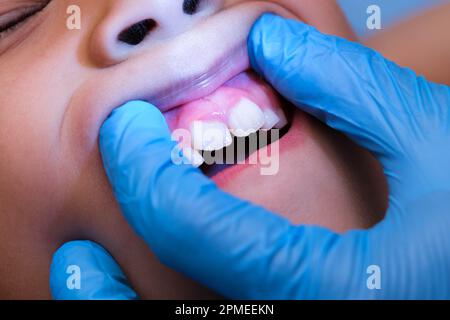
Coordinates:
243	147
238	121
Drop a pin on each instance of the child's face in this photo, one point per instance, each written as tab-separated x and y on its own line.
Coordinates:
58	85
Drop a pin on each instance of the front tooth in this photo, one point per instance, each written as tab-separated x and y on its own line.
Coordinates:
210	135
193	156
245	118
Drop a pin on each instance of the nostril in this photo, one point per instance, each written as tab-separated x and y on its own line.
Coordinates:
137	32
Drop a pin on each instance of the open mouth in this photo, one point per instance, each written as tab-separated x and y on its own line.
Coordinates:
230	125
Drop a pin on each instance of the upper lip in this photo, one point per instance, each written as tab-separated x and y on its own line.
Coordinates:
171	73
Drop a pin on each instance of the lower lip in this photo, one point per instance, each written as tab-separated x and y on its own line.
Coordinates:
294	138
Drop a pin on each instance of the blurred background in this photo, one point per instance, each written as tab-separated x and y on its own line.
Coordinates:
391	11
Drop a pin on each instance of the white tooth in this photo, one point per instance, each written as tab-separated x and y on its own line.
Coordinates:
193	156
245	118
210	135
283	120
271	119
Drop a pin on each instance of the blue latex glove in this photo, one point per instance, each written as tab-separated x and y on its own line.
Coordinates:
243	251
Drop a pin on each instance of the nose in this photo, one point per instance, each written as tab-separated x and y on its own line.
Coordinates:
129	27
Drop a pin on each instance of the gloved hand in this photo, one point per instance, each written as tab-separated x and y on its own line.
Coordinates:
243	251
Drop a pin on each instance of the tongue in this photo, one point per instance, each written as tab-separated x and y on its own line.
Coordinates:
246	90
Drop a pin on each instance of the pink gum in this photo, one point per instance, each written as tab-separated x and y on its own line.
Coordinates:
217	105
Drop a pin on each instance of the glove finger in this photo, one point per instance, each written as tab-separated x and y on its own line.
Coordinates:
348	86
83	270
188	222
231	246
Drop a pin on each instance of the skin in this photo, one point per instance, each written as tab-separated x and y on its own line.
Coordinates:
429	29
59	85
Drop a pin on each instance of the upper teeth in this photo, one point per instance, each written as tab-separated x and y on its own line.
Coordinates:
244	118
193	156
210	135
282	121
271	119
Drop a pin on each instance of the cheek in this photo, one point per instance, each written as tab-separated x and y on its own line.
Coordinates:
28	161
294	6
324	15
33	101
